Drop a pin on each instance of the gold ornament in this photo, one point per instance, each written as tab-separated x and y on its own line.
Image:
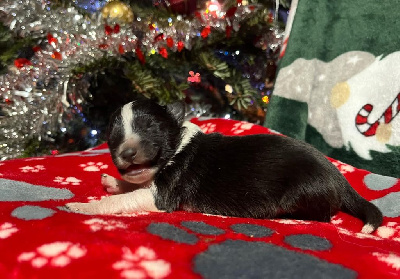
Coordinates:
117	11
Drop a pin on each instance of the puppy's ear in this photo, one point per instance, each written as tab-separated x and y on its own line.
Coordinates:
177	109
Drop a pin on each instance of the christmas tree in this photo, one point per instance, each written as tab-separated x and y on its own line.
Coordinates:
65	66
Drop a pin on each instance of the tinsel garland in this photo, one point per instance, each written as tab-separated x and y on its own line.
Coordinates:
37	93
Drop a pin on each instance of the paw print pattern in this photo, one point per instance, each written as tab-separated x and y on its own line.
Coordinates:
358	234
390	259
36	168
91	166
391	230
97	224
67	180
208	128
378	182
336	220
56	254
6	230
343	168
143	263
257	258
240	127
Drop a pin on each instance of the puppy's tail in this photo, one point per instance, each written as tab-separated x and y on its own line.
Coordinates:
359	207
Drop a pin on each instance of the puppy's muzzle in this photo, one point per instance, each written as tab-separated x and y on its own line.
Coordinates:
128	154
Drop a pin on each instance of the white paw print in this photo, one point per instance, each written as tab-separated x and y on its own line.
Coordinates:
6	230
142	264
336	220
208	127
91	166
391	259
97	224
57	254
36	168
67	180
240	127
358	234
390	230
343	168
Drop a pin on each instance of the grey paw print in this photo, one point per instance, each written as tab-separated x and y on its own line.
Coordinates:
255	258
11	191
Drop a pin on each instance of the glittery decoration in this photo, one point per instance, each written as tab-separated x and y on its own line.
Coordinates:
39	95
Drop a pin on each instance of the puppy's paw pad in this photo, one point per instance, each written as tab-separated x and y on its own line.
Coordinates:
110	184
109	181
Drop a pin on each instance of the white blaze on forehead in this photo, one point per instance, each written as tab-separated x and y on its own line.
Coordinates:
127	118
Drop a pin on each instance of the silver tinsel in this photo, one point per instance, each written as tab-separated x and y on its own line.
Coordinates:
33	97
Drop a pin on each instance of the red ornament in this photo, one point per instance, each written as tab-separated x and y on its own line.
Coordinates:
180	45
170	42
163	51
51	39
270	17
159	37
21	62
151	27
205	32
54	152
121	49
103	46
108	30
139	55
56	55
183	7
36	48
116	28
228	31
198	15
231	12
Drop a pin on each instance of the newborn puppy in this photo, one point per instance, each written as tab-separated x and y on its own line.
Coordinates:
169	165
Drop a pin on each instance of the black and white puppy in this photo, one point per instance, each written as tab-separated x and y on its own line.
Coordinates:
167	164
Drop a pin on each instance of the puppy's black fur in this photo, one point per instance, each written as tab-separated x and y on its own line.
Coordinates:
258	176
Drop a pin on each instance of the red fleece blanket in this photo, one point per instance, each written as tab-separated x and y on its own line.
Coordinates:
40	239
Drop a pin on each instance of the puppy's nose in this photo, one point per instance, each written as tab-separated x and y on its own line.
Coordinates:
128	154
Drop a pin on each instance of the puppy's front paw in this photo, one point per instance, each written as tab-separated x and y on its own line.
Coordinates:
110	184
84	208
